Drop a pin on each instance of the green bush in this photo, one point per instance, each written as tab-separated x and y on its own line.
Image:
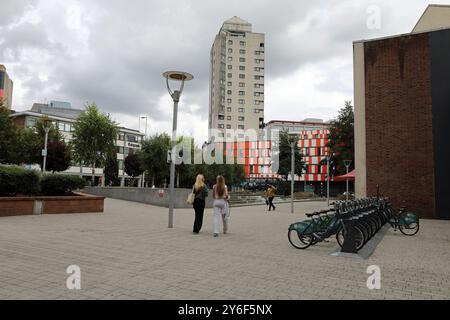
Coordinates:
59	185
17	181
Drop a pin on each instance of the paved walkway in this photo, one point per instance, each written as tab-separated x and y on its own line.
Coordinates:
128	253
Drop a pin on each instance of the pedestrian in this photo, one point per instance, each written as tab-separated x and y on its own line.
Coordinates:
221	206
270	196
200	191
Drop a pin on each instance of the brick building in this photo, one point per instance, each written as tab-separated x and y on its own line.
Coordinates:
402	108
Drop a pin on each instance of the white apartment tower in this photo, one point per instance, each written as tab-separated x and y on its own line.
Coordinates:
237	78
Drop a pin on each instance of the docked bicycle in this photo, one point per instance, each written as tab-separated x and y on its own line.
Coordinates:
355	222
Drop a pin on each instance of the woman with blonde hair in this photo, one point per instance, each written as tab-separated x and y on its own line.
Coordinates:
221	206
200	191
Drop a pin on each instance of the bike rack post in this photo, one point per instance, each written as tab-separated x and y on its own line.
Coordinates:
349	245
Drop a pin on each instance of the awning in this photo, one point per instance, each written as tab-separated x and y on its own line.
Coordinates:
350	176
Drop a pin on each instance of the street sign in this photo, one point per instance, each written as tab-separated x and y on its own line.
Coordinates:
44	153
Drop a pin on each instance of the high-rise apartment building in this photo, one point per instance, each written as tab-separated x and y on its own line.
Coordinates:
237	78
6	88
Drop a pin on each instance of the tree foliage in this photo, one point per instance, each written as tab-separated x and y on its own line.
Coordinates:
341	138
9	138
111	170
285	156
59	156
133	165
94	137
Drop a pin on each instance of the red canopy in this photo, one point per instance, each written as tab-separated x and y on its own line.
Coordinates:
349	176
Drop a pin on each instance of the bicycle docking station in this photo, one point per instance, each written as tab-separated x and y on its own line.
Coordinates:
359	226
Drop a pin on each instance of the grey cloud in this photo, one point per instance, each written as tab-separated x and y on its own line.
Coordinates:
130	43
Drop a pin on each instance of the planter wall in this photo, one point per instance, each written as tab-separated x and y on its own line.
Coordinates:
16	206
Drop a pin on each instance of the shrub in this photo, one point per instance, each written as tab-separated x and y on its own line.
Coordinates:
17	180
59	185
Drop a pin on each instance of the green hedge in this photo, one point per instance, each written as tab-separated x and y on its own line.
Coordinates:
17	180
59	185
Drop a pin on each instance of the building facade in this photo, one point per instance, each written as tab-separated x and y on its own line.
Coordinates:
237	78
6	88
63	116
402	100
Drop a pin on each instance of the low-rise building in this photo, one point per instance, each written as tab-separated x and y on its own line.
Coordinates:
63	116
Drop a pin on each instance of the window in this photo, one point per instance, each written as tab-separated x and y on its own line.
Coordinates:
67	127
126	151
131	138
242	43
258	61
221	117
228	126
229	101
242	51
241	59
230	75
257	94
257	85
261	45
61	126
257	77
241	110
120	164
230	84
230	42
242	93
241	127
257	111
242	76
241	118
221	134
257	102
257	69
229	92
230	67
230	50
229	118
230	58
221	126
242	68
241	101
257	53
121	136
242	84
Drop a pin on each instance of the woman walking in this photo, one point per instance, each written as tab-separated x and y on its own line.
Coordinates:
201	193
270	195
221	206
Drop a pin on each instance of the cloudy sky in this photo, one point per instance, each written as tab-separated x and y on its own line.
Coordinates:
113	52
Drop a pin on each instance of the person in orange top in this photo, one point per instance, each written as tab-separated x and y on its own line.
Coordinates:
270	195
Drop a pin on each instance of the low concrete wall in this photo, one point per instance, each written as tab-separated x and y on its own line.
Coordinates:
156	197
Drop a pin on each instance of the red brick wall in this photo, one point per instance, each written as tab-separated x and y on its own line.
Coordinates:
84	205
16	207
399	122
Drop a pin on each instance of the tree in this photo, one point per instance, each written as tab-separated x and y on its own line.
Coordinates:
153	157
286	154
341	138
59	156
133	166
94	138
111	170
9	138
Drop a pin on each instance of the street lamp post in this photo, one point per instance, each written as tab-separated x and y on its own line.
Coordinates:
146	120
293	140
45	151
347	164
176	95
328	180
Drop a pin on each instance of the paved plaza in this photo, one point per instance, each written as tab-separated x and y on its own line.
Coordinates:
129	253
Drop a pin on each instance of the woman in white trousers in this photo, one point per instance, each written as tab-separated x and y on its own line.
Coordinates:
221	206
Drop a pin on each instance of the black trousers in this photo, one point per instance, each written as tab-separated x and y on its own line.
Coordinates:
271	204
199	207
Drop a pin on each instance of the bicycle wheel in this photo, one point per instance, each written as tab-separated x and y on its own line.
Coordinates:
410	229
300	241
359	238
